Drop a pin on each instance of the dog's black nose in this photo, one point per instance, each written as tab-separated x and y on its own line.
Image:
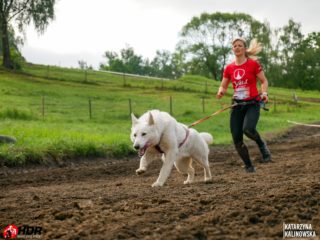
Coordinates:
136	147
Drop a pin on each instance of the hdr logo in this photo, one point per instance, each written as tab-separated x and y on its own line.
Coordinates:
10	231
25	231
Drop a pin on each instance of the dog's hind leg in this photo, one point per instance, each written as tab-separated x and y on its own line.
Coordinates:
204	162
207	172
184	165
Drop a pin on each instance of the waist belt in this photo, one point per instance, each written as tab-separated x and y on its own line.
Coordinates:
254	101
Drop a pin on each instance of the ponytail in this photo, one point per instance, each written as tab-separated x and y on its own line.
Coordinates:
254	49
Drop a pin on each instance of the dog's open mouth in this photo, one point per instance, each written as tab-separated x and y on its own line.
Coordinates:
143	150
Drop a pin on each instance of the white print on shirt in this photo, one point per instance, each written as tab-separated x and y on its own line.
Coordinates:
238	73
242	82
241	93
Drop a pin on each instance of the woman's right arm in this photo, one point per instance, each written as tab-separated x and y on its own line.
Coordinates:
223	87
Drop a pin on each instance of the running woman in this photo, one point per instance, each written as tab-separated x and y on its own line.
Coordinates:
244	72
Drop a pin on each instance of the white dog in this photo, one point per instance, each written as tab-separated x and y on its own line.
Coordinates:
158	135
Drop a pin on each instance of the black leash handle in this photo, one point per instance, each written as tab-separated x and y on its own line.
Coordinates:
263	105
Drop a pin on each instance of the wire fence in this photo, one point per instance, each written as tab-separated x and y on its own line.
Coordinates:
92	108
95	108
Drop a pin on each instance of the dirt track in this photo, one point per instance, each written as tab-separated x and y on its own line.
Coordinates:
104	199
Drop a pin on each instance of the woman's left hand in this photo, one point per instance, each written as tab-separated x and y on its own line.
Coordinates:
264	97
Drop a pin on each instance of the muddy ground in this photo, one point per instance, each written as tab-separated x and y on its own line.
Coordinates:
105	199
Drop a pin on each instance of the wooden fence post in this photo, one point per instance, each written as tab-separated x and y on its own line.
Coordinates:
90	109
42	107
171	111
295	97
206	87
130	107
48	68
124	79
85	75
203	104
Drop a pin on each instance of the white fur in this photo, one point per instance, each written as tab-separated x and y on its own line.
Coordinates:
159	128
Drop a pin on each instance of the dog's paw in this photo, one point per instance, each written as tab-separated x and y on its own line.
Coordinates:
157	184
187	182
140	171
208	180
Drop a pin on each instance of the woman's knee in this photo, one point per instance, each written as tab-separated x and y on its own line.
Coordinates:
251	133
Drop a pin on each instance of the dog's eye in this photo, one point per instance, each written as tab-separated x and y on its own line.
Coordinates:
143	134
135	135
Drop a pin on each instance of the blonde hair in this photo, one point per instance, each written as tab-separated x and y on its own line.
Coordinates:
254	48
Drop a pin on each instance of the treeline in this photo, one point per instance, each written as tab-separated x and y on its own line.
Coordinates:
289	58
165	64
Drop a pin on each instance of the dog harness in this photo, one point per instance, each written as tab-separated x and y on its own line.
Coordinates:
180	144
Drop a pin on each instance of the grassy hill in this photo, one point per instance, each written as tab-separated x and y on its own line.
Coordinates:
47	110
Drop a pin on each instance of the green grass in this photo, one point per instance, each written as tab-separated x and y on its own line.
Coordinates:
47	110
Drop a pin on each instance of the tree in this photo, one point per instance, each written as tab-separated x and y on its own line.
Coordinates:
304	71
207	40
132	62
127	61
83	64
167	65
22	12
177	62
14	42
288	39
114	63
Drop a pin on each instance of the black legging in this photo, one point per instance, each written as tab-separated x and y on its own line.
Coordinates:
243	120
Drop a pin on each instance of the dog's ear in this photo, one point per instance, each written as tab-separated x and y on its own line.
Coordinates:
151	120
134	119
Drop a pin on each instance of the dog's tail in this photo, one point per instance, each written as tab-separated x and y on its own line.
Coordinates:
207	137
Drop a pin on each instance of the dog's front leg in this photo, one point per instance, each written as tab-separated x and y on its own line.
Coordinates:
143	165
165	169
145	162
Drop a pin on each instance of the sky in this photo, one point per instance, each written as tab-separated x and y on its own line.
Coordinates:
86	29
